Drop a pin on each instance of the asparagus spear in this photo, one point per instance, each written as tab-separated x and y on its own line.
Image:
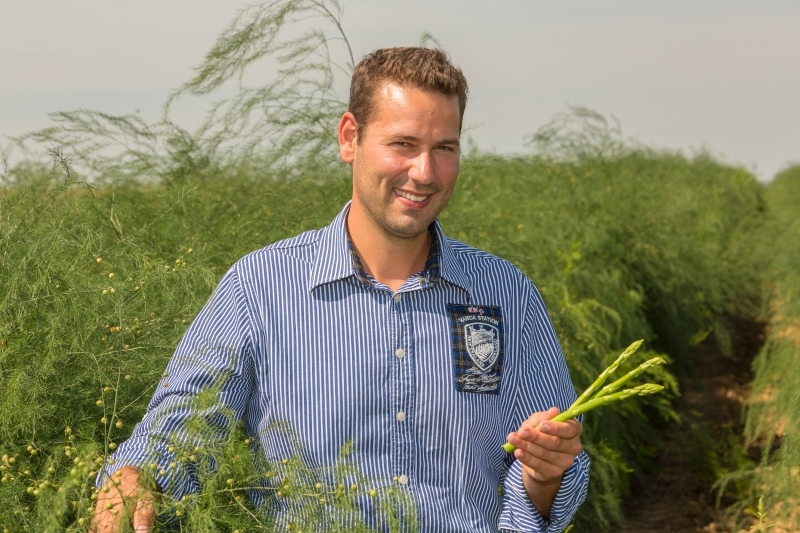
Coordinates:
629	351
608	394
608	389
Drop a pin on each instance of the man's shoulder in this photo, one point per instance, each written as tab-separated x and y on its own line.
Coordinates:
481	265
298	249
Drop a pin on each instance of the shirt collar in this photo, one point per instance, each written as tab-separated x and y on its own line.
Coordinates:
336	259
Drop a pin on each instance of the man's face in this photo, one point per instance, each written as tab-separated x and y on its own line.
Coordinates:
406	163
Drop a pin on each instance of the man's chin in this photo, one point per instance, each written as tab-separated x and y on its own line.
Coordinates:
408	231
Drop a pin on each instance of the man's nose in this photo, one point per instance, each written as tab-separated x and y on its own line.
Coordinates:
422	169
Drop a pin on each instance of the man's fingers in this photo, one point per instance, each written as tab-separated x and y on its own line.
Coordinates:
563	430
542	470
144	517
103	520
568	443
128	501
561	458
546	448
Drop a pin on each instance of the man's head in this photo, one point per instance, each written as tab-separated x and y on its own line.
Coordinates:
427	69
402	137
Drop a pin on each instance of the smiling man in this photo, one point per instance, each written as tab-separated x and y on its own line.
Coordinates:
379	330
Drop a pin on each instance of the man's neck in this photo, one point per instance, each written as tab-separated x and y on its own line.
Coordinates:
390	260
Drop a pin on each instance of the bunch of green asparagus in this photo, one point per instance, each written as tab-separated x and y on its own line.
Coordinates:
592	399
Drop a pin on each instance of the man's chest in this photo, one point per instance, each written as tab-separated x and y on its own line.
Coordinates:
368	366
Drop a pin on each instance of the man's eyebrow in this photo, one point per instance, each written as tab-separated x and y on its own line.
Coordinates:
411	138
450	142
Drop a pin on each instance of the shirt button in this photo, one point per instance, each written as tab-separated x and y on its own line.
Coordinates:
403	479
400	353
397	298
401	416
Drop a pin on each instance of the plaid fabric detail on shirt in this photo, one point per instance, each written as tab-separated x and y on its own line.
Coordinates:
477	337
431	273
427	277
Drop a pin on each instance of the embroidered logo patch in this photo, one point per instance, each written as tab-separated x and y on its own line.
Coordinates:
477	335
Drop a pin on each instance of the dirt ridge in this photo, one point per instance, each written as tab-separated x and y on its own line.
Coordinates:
677	497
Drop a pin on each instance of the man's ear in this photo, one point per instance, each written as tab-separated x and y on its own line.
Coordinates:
348	137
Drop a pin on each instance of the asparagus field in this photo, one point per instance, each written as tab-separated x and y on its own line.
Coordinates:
106	258
100	283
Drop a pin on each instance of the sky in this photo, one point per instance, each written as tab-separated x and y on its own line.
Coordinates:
716	75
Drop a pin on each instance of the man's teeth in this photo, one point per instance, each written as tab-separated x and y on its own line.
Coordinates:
410	196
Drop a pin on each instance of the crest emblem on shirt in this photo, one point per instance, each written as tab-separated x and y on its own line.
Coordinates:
483	344
476	338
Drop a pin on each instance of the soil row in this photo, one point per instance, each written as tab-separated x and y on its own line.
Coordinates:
677	495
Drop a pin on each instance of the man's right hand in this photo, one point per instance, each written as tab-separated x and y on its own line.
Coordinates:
125	499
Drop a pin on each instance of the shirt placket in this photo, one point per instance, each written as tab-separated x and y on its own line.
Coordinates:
402	389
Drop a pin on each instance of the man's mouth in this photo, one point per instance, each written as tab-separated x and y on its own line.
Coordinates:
410	196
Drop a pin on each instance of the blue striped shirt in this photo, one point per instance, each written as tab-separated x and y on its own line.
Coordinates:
311	340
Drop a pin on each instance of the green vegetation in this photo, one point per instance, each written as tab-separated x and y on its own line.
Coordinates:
103	271
621	248
773	416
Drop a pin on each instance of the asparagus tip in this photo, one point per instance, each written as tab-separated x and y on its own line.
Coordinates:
635	346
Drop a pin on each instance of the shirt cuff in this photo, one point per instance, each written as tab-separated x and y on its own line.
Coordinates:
174	477
520	515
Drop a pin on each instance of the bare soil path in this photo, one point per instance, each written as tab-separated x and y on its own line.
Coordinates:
677	496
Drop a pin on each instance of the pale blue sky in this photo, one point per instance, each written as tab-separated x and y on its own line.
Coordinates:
719	74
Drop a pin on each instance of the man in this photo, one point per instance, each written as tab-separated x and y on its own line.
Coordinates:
425	353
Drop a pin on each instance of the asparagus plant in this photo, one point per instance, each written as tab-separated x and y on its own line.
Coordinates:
592	398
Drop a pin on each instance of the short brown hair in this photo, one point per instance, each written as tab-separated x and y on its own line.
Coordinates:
428	69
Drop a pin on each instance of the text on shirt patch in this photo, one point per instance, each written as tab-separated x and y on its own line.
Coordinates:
477	338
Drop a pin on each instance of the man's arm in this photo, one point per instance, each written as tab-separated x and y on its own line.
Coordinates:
532	503
214	354
546	450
